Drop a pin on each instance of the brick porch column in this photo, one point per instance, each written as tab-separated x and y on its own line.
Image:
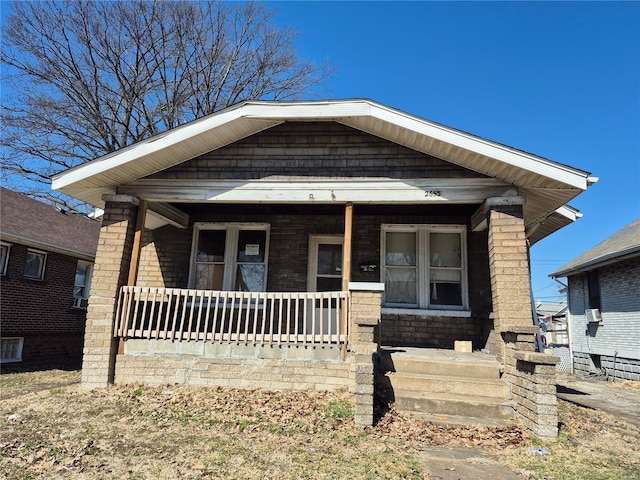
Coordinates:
364	314
110	273
508	267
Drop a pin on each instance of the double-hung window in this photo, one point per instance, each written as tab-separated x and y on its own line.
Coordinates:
34	264
424	266
230	256
4	257
82	284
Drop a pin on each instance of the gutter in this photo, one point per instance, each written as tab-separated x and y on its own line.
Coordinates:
598	262
12	238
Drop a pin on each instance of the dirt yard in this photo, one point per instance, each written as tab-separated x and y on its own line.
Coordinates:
51	428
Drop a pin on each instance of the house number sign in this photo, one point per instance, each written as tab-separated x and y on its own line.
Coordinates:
433	193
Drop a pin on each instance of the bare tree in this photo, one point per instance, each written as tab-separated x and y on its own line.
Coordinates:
85	78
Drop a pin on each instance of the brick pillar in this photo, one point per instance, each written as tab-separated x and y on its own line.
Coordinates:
532	379
110	273
364	314
508	267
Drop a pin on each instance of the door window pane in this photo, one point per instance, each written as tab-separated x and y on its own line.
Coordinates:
328	284
330	259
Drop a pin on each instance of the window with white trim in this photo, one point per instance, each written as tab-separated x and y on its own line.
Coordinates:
4	257
229	256
34	264
11	349
82	284
424	266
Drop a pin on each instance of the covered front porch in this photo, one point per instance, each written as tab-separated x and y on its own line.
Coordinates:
278	245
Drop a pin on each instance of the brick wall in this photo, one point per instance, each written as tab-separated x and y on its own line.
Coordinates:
430	331
239	366
40	311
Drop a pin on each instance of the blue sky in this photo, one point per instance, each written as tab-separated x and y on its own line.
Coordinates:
560	80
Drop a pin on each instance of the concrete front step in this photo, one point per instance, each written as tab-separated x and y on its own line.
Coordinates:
449	364
484	387
462	421
439	404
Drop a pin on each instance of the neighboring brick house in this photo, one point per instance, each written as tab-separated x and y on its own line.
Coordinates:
604	306
47	258
278	245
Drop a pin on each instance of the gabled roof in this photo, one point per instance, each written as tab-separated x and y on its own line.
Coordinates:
547	185
553	309
625	243
29	222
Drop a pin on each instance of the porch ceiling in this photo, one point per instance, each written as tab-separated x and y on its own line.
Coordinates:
546	185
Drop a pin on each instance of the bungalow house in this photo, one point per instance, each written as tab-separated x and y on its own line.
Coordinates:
46	262
604	306
278	245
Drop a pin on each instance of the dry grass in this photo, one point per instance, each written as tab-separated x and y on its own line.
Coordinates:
592	445
182	432
631	385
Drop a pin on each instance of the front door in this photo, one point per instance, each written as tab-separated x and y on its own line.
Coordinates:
324	275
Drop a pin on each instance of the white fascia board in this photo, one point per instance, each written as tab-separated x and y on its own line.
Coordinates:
532	163
324	111
339	111
424	191
144	148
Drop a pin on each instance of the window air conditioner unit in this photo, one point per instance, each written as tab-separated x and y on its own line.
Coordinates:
80	303
593	315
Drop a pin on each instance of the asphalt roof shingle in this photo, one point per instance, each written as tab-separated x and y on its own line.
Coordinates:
624	242
29	219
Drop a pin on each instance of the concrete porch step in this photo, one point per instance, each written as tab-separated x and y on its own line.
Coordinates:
484	387
439	362
447	404
461	420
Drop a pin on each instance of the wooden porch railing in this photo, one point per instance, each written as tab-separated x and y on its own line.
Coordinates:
265	318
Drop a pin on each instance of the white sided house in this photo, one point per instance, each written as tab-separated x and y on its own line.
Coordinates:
291	245
604	306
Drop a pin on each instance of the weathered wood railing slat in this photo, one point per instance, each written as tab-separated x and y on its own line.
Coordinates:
264	318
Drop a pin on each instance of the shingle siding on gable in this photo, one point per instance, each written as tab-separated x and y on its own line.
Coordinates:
314	149
620	328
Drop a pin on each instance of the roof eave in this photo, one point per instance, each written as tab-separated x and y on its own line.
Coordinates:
598	262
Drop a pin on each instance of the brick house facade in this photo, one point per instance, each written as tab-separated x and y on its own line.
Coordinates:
219	228
42	313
